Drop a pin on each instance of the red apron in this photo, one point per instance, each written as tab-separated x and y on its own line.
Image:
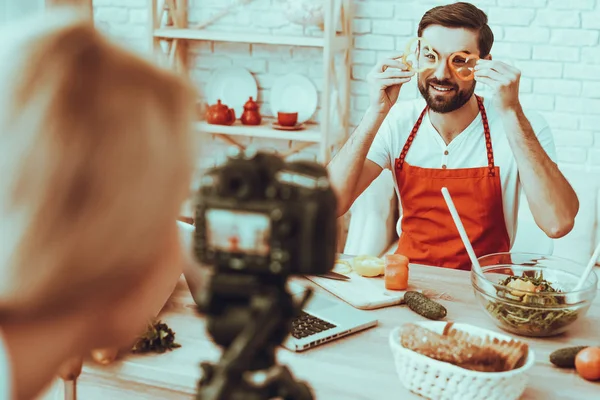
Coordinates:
429	235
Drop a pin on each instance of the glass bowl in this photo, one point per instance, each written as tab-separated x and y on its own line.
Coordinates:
533	310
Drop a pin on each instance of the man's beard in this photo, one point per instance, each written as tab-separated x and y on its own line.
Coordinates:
445	104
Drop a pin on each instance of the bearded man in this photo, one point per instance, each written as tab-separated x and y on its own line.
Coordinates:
484	151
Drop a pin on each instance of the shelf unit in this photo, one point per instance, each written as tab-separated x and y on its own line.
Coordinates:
169	26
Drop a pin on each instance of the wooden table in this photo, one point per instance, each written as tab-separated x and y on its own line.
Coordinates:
358	367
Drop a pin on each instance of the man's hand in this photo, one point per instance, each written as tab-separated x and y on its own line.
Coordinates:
385	81
504	79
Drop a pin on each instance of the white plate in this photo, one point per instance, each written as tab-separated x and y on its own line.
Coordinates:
294	93
233	86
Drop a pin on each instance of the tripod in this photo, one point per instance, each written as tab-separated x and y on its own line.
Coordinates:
249	318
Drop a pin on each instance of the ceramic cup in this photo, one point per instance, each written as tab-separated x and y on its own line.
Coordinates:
287	118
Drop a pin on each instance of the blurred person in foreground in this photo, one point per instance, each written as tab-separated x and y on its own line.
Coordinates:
95	161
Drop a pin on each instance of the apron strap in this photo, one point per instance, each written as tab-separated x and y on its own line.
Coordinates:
488	138
411	137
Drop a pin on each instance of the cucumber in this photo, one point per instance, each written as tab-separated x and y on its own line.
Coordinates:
565	358
424	306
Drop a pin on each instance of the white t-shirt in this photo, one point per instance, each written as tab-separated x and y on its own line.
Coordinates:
5	376
467	150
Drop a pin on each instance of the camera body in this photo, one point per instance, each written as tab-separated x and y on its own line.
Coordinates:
257	214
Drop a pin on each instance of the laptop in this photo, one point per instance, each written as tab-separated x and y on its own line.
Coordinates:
323	319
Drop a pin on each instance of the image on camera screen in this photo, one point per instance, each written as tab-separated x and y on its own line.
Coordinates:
238	232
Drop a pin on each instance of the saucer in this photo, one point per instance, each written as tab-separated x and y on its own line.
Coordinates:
296	127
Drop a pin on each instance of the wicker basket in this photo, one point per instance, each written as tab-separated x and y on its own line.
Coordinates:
435	379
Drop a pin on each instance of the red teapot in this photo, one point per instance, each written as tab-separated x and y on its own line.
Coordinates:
251	115
220	114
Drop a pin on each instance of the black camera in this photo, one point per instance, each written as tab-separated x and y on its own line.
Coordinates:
261	215
258	221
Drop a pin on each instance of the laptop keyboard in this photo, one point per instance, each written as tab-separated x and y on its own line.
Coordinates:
306	325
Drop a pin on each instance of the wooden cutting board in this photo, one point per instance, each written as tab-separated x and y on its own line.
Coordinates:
360	292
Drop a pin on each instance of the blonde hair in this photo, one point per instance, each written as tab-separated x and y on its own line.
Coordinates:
95	161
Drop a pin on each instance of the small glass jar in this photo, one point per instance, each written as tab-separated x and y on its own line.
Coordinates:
396	272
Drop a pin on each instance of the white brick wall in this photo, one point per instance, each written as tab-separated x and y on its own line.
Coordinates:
126	20
554	42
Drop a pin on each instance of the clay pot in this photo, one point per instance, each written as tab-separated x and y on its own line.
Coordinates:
251	115
220	114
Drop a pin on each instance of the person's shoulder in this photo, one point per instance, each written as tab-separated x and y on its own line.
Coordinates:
536	119
406	111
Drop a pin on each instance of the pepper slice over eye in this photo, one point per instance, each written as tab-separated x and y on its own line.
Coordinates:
463	65
419	56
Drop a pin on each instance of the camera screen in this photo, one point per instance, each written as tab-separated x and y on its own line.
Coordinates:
238	231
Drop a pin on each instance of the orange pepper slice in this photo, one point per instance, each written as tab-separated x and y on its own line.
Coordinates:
463	65
409	53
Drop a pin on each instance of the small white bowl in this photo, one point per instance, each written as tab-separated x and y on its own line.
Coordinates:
439	380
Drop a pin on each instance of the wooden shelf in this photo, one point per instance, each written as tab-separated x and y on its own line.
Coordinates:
169	22
339	42
311	133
